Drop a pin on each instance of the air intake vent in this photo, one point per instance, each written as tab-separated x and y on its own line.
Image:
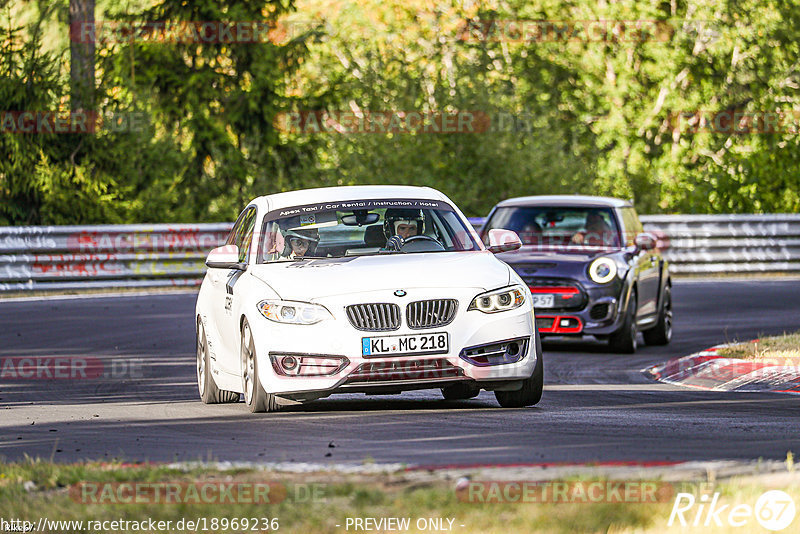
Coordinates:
430	313
377	317
599	311
394	371
496	353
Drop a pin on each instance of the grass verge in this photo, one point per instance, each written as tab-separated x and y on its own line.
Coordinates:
330	503
784	346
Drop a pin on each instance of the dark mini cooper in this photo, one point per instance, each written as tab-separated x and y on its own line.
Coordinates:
591	268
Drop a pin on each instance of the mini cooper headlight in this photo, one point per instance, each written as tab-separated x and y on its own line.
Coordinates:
602	270
499	300
284	311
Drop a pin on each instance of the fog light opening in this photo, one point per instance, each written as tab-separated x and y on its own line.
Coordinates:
512	349
289	363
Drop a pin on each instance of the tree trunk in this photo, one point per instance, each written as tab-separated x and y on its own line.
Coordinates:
81	50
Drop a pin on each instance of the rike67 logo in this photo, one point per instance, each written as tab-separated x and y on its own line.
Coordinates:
774	510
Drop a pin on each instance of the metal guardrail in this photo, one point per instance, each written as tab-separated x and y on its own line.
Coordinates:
103	256
716	244
710	244
157	255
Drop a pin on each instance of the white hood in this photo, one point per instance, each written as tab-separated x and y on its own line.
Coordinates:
313	279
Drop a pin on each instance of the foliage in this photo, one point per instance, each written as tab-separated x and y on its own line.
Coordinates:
612	115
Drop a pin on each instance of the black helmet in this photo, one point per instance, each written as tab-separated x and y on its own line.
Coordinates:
394	216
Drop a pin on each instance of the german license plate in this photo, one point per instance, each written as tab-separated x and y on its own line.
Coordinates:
543	301
435	343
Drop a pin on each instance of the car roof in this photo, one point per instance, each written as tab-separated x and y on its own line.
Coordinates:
302	197
566	200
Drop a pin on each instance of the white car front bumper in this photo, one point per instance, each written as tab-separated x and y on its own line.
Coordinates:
338	338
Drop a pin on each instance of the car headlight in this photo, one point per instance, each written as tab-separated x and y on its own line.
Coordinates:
284	311
602	270
499	300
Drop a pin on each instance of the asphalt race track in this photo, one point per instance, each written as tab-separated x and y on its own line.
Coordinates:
597	407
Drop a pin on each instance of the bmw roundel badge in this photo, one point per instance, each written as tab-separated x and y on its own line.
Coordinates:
400	293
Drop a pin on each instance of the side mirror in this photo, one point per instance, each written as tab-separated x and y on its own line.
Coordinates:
662	239
503	240
225	257
646	241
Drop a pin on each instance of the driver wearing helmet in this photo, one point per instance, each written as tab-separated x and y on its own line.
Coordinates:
597	231
400	224
301	242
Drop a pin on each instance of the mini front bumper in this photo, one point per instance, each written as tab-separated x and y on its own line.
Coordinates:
337	338
601	313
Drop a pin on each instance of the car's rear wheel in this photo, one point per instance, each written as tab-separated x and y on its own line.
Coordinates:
531	391
460	391
624	340
255	397
661	333
209	392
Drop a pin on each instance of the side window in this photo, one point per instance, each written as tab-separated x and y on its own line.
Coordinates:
247	235
242	232
632	226
237	229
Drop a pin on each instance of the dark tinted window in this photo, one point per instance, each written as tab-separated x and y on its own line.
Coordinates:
335	233
633	226
242	233
248	224
558	227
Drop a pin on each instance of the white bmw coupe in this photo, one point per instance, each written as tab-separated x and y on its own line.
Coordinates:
371	289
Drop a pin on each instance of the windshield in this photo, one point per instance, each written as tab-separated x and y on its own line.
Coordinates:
363	228
558	228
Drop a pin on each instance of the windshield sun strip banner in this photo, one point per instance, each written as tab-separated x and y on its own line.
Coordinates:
349	205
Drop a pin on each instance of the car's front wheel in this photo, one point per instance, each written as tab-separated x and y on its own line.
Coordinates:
661	333
531	391
624	340
209	392
255	397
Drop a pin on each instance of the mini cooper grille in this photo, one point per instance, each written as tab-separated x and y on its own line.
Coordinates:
377	317
430	313
567	294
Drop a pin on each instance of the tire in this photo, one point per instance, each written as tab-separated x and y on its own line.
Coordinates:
460	391
624	340
209	392
531	391
257	400
661	333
